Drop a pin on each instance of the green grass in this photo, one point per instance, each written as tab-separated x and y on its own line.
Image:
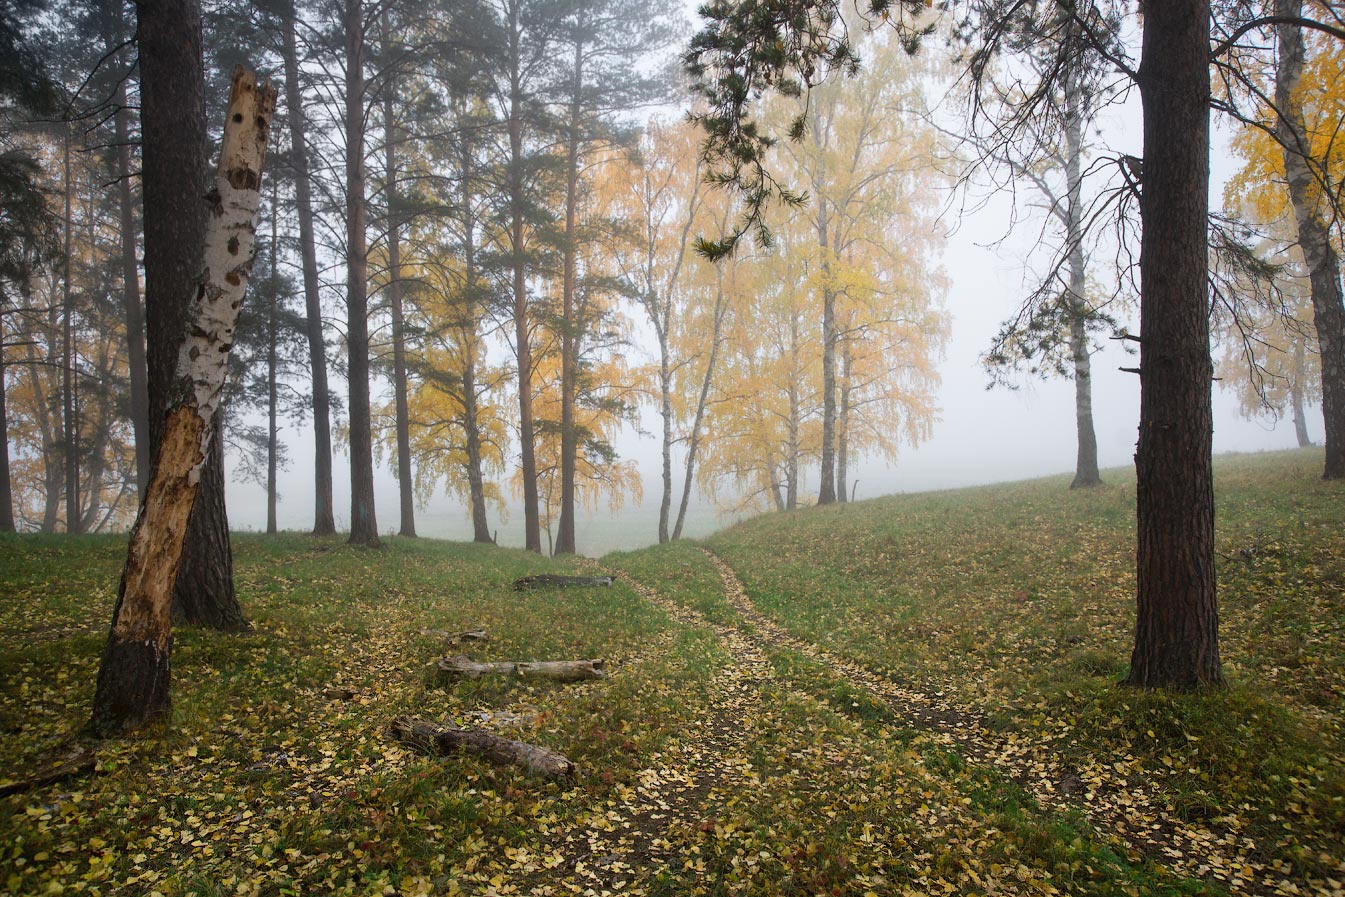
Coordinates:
1015	601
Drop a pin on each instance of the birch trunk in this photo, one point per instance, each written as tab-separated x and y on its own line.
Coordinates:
569	443
1085	465
1314	236
324	521
130	286
1296	395
470	421
133	678
69	427
702	400
6	491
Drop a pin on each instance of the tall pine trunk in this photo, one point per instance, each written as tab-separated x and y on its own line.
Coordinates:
363	523
6	491
130	291
1177	626
569	333
134	675
518	202
470	409
1085	465
405	486
272	390
1314	236
69	427
324	520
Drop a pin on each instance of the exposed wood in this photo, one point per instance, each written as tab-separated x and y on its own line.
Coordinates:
552	580
454	638
134	675
555	670
77	761
436	740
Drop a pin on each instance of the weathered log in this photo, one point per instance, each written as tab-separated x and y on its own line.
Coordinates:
77	761
456	638
555	670
437	740
553	580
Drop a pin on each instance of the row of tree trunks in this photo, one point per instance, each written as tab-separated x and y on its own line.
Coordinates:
553	670
134	675
1314	236
324	522
436	740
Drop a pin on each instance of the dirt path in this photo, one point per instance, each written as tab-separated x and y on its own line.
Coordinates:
633	839
1117	805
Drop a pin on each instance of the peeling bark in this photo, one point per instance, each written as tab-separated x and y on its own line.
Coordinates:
134	676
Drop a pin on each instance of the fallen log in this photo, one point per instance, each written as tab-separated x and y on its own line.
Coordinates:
455	638
75	762
436	740
553	580
555	670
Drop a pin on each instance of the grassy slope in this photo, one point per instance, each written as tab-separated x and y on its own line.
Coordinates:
1014	600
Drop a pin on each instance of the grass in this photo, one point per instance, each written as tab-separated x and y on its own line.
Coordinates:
1014	601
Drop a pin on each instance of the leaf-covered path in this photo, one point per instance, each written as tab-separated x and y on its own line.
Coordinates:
1115	801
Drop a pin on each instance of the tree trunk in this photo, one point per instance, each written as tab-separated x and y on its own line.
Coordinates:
324	522
569	333
554	670
1085	465
470	422
130	286
1296	395
6	491
69	427
666	413
518	201
363	523
271	389
843	427
51	475
134	675
1314	236
405	487
1177	628
173	183
702	400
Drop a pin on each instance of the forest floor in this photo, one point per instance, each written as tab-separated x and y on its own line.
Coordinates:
911	695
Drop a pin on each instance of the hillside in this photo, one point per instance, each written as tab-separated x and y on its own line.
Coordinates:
913	694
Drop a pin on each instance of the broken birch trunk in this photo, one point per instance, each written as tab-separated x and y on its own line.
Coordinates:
438	740
134	675
555	670
552	580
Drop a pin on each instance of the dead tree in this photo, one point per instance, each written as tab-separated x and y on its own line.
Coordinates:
134	675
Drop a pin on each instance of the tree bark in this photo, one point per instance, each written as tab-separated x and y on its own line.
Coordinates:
134	675
272	397
405	486
1085	466
569	443
554	670
1296	395
843	427
1177	627
470	409
130	287
363	523
440	740
69	427
173	184
1314	236
324	521
518	201
6	490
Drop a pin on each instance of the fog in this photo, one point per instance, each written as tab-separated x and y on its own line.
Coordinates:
983	436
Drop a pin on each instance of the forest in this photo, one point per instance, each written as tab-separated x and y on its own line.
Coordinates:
484	245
